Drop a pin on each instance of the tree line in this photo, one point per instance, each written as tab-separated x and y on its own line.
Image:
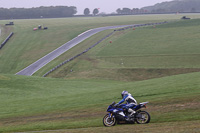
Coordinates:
130	11
119	11
42	12
39	12
175	6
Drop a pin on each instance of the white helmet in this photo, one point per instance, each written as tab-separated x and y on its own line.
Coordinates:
124	93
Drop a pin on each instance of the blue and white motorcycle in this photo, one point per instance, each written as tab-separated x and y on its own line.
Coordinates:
116	115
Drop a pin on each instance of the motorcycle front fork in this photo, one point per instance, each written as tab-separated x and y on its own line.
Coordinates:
111	116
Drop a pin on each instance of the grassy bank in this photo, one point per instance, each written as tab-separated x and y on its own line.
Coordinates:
143	53
41	103
156	64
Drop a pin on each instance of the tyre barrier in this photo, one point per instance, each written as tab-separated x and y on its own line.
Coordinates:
125	28
6	40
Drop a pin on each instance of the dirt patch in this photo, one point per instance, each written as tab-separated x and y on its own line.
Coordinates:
51	117
174	107
125	74
168	127
144	74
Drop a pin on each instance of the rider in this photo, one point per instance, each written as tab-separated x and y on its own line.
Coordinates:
131	102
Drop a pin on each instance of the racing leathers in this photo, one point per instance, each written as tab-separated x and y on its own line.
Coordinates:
131	102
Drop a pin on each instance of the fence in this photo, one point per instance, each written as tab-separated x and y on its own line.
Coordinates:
6	40
66	61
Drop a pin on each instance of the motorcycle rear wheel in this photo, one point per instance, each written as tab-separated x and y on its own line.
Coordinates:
143	117
108	122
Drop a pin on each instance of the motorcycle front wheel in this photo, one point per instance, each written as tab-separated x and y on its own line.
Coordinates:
142	117
109	121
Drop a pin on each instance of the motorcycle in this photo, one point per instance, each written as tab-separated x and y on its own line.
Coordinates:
115	115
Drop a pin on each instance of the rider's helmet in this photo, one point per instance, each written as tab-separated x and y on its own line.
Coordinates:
124	93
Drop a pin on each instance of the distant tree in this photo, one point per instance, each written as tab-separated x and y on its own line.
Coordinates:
119	11
126	11
72	10
142	11
95	11
86	11
135	10
160	10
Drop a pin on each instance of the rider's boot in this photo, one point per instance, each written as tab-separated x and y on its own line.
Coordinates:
131	111
128	118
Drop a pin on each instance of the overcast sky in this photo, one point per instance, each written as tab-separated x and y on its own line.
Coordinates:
107	6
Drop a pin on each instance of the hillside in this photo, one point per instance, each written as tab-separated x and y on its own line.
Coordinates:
175	6
157	64
143	53
27	46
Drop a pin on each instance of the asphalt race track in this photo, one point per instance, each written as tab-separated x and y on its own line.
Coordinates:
34	67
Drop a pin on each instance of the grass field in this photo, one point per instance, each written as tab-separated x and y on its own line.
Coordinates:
144	53
156	64
32	103
5	31
175	127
